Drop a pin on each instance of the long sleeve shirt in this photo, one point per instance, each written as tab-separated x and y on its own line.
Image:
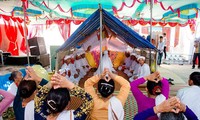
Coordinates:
17	105
150	112
142	100
80	113
7	100
100	110
161	46
143	70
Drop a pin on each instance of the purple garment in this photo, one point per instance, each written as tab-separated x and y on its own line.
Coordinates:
5	103
142	100
150	112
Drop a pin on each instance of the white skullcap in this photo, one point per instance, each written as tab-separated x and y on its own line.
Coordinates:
133	54
67	57
140	57
61	71
129	49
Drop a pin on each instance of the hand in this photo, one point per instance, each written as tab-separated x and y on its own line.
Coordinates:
154	77
31	75
170	105
75	75
182	107
78	70
103	74
59	81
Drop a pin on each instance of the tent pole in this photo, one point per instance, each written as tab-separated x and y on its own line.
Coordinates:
25	35
151	7
57	63
101	64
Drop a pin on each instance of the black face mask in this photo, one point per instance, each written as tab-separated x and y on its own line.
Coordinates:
106	90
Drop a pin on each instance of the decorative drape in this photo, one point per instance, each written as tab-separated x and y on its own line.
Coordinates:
23	43
176	41
11	33
0	35
63	26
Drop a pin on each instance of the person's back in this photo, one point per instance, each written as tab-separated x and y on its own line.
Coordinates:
191	95
106	105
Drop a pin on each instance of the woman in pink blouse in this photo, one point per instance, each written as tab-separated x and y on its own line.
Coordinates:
157	89
7	99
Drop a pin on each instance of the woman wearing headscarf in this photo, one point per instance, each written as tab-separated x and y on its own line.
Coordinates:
53	99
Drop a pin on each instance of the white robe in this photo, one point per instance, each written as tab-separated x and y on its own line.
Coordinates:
71	67
29	111
64	66
13	90
106	63
143	70
127	62
79	65
131	68
85	63
135	72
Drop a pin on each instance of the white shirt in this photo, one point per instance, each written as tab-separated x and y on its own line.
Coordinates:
29	111
164	40
127	62
133	64
143	70
161	46
84	62
190	96
13	90
64	66
135	72
78	64
71	67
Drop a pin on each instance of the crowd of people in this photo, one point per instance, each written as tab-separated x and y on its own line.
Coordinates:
34	98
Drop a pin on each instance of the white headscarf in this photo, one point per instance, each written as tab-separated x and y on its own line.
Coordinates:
107	63
115	109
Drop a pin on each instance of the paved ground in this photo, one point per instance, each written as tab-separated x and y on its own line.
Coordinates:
180	73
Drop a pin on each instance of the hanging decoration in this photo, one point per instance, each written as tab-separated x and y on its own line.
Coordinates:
154	23
11	33
85	10
63	26
18	11
190	10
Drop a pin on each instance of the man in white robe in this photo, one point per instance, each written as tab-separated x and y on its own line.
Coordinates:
79	66
85	64
144	69
127	62
129	72
71	72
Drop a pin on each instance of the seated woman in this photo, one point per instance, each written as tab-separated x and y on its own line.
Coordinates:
6	99
26	92
53	99
171	109
157	89
15	77
106	105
